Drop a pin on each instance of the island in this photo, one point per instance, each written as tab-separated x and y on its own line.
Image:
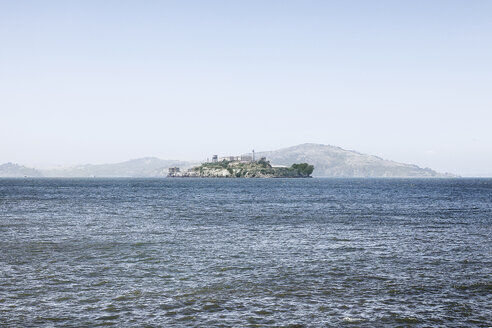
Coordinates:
237	168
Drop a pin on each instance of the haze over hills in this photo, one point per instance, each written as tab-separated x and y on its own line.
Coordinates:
328	161
11	170
138	168
332	161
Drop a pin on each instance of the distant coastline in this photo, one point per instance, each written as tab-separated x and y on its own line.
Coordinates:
329	161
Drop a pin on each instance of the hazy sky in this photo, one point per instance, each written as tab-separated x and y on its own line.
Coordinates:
105	81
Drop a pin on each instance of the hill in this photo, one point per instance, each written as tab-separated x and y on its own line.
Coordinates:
332	161
12	170
328	161
141	167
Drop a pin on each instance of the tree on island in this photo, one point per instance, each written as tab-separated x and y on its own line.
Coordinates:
303	168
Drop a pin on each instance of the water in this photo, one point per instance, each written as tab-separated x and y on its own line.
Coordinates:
245	252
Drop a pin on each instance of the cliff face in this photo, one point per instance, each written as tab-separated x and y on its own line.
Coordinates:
257	169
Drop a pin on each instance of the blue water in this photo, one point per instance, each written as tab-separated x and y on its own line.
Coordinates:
245	252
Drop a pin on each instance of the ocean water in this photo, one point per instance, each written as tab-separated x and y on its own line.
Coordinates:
246	252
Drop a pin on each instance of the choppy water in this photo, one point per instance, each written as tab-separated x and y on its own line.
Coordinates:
217	252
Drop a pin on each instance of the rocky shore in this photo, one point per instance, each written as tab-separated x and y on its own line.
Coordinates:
251	169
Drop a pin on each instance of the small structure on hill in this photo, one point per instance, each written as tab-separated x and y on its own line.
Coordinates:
173	170
245	158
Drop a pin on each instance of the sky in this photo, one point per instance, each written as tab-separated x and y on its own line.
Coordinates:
107	81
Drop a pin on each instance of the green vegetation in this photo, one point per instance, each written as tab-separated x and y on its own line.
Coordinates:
303	168
254	169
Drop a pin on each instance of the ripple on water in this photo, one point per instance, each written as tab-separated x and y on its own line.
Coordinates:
286	253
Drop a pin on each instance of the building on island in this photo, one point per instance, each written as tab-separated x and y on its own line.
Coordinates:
242	158
173	170
229	158
234	161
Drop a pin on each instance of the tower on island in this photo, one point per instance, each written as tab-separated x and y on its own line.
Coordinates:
253	155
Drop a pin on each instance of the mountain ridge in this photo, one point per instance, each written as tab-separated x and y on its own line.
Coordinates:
133	168
328	161
13	170
334	161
